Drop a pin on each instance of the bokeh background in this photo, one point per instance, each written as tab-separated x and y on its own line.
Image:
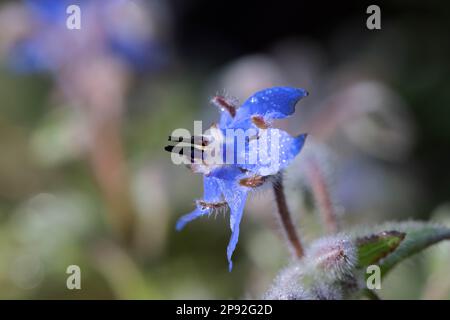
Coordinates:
85	114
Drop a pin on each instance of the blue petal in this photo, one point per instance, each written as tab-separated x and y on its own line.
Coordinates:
235	196
290	148
226	172
225	119
275	153
212	193
272	103
189	217
211	190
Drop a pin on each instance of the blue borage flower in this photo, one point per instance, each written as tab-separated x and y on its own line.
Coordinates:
229	184
115	27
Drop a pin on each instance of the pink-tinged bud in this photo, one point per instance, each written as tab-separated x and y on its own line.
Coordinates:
333	257
225	103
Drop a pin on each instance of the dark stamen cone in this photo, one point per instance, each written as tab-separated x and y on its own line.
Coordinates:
191	152
197	140
174	149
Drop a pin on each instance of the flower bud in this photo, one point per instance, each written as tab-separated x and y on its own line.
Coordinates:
288	285
334	258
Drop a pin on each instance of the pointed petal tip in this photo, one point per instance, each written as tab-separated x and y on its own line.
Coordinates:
293	91
230	262
188	218
299	142
301	93
230	249
300	139
298	93
180	225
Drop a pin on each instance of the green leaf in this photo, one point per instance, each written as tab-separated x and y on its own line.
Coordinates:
387	249
377	246
419	236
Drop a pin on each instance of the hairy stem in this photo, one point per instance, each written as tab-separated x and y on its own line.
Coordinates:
322	196
286	220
